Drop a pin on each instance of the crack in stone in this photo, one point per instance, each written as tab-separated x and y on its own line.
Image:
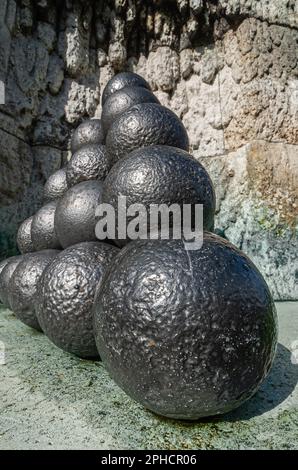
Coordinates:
15	136
32	145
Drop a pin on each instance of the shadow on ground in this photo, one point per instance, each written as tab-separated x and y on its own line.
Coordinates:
277	387
280	383
88	409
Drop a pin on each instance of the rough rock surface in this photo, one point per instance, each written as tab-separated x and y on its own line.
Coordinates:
256	190
229	69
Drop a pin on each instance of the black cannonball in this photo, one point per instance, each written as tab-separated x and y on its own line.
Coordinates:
43	232
89	132
75	214
143	125
24	240
159	175
5	276
23	285
55	186
3	263
187	334
122	80
88	163
66	293
121	101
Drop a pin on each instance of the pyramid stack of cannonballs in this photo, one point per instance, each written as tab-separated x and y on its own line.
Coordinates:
186	332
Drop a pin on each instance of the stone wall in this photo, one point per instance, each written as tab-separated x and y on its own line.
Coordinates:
228	68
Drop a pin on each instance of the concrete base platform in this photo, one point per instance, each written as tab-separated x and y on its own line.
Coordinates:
52	400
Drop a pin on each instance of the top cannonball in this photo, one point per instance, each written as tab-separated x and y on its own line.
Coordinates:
160	175
88	163
144	125
89	132
55	186
24	240
121	101
75	214
43	232
122	80
186	333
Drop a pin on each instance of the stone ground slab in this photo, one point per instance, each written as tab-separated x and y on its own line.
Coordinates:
52	400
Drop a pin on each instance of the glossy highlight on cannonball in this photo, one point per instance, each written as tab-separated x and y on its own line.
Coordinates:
121	101
144	125
23	285
55	186
187	334
89	132
5	276
75	214
66	293
3	263
24	239
159	175
122	80
88	163
43	232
